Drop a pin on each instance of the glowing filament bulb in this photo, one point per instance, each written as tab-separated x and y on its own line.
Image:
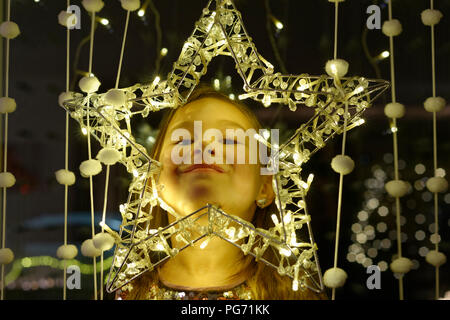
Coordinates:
359	89
310	178
385	54
141	13
104	21
84	131
217	84
135	173
275	219
287	218
204	244
160	247
394	129
267	101
360	122
156	81
295	285
285	252
164	52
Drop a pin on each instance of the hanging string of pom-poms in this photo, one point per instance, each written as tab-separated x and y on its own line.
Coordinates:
8	30
436	184
342	164
396	188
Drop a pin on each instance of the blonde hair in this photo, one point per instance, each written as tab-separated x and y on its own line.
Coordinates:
265	282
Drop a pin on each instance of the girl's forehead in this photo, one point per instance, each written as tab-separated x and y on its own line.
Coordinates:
211	109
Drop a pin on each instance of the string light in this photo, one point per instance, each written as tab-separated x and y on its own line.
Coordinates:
269	89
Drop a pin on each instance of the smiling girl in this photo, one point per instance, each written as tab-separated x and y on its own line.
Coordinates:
220	270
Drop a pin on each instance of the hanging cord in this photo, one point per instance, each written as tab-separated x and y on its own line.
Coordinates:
436	218
88	128
66	157
105	201
5	150
344	139
395	150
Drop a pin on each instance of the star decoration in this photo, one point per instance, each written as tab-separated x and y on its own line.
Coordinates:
220	31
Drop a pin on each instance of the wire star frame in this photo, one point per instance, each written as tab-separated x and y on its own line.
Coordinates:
220	31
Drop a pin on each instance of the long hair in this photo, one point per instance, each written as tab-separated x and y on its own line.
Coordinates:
264	282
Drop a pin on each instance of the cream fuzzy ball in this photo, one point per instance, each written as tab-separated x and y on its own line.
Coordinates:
115	97
103	241
90	167
436	258
130	5
109	156
65	177
394	110
334	278
89	84
7	105
93	5
9	30
67	252
434	104
7	180
6	256
342	164
65	96
337	68
431	17
437	184
396	188
67	19
89	250
401	265
392	28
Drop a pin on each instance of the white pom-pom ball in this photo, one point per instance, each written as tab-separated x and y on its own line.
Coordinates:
337	68
434	104
93	5
89	84
431	17
65	177
394	110
89	250
67	252
6	256
130	5
334	277
437	185
115	97
396	188
109	156
9	30
90	167
103	241
436	258
342	164
392	28
401	265
7	105
7	180
67	19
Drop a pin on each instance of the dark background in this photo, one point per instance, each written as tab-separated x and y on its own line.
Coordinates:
36	129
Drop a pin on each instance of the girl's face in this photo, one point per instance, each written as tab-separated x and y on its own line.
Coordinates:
229	184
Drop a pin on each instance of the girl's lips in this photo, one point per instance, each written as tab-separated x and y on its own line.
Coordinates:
202	167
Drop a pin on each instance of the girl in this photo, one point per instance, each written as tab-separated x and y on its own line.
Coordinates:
220	270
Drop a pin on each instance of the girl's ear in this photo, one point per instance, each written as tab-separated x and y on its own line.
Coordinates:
266	191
